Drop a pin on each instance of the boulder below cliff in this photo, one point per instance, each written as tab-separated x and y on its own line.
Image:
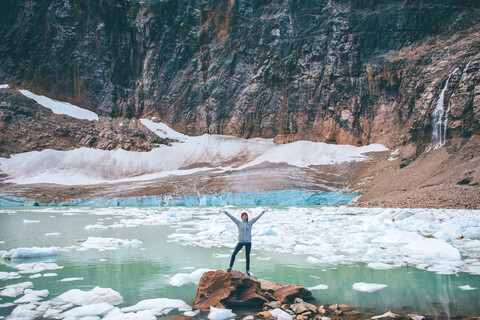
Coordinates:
222	289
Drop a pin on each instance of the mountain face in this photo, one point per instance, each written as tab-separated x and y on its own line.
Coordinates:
339	71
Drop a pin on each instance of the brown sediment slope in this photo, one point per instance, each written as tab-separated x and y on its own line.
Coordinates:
448	177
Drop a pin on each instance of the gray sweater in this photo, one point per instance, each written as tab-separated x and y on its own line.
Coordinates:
244	227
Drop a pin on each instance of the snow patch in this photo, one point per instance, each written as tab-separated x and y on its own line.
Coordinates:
59	107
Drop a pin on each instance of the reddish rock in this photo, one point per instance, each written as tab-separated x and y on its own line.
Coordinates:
287	294
222	289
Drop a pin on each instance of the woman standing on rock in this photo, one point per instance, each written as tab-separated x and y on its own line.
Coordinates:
244	235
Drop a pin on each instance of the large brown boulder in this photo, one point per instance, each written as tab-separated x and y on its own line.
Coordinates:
222	289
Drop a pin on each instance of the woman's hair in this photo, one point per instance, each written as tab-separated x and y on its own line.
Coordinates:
244	213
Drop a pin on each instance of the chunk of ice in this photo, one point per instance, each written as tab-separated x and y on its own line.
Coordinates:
319	287
31	296
96	295
14	290
157	306
9	275
381	266
368	287
24	253
106	243
280	314
431	249
97	309
71	279
181	279
467	287
221	314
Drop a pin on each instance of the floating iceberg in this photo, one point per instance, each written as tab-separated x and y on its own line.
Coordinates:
8	275
220	314
368	287
25	253
96	295
159	306
319	287
431	249
181	279
14	290
280	314
98	309
99	243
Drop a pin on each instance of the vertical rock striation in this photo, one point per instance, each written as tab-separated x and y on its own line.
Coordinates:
340	71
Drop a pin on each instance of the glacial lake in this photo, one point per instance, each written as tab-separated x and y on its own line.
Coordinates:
172	243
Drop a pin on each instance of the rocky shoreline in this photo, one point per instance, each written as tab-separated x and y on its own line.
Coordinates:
220	292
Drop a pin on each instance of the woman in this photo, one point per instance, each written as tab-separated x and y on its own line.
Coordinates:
244	236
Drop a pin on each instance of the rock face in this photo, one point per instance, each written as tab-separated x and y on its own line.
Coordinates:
344	71
222	289
26	126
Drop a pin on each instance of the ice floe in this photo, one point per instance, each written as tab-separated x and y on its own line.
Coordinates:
368	287
71	279
318	287
24	253
467	288
36	267
220	314
159	306
15	290
181	279
9	275
96	295
280	314
431	249
31	296
98	309
99	243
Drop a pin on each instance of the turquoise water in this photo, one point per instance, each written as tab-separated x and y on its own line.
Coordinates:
144	272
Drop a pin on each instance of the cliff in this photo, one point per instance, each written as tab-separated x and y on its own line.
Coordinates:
346	71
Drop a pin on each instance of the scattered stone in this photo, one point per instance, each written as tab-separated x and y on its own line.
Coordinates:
300	307
264	314
321	310
271	305
288	293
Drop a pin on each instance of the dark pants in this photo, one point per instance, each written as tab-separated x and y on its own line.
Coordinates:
248	247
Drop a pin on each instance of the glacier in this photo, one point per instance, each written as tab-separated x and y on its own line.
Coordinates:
292	197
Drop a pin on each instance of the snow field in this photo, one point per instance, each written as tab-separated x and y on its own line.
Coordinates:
222	153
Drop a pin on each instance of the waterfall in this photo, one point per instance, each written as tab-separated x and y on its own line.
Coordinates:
439	119
464	72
